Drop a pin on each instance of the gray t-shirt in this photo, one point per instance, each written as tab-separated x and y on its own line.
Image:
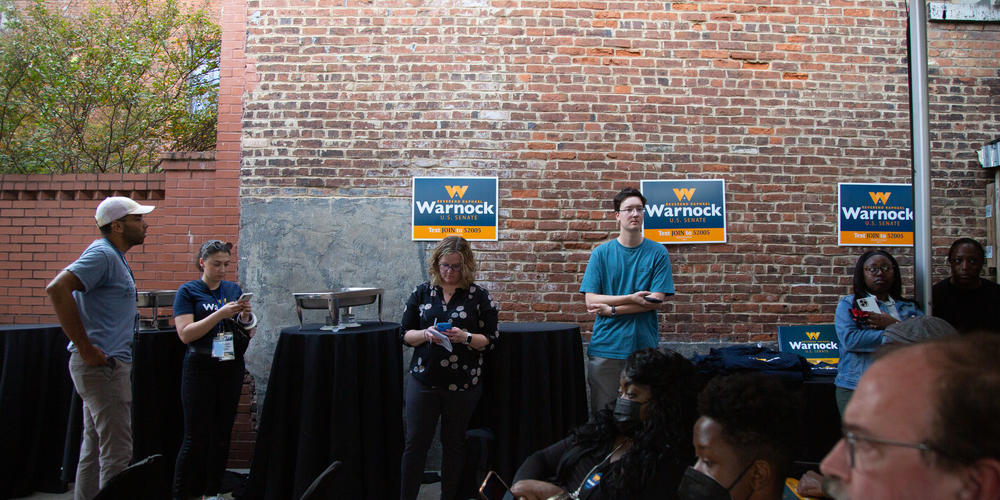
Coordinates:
107	304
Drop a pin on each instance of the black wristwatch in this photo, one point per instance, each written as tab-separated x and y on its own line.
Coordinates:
468	338
613	310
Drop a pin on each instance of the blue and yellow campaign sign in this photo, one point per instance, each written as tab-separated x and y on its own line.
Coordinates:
875	215
455	206
685	211
816	343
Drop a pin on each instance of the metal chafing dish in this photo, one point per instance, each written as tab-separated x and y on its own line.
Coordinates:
155	300
336	300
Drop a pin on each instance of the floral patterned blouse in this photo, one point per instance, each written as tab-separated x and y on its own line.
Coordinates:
472	310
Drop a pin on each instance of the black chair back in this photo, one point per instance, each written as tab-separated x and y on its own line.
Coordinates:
135	481
321	487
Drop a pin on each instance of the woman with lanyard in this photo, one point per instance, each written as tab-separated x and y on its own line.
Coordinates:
638	450
861	318
213	370
449	321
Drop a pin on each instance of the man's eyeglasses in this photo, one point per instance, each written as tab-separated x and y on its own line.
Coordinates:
877	269
631	210
862	449
453	267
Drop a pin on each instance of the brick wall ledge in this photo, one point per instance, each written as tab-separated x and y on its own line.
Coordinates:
187	160
81	186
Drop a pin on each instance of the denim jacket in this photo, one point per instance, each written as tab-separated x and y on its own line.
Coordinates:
858	345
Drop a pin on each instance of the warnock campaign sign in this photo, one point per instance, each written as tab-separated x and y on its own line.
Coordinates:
816	343
875	214
454	206
685	211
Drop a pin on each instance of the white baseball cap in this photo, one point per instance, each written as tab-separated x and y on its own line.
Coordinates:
116	207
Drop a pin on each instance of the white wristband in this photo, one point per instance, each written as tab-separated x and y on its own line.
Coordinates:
248	326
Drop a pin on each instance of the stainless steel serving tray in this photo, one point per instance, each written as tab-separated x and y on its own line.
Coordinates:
335	300
155	298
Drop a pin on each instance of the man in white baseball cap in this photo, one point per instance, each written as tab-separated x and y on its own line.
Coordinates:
95	301
116	207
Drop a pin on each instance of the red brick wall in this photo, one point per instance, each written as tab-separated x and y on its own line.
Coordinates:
47	221
569	101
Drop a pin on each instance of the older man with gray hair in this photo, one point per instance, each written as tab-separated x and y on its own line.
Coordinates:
924	423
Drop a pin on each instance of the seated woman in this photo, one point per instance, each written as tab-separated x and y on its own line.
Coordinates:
639	450
876	281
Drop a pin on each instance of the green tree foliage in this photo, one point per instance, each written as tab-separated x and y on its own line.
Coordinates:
107	89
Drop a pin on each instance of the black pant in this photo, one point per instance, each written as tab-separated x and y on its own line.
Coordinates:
210	392
423	406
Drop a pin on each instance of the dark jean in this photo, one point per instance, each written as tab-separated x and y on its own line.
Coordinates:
423	407
210	392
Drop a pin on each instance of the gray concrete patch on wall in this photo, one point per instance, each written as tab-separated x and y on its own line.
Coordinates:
290	245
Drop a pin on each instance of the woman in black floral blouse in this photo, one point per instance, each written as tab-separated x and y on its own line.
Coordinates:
443	382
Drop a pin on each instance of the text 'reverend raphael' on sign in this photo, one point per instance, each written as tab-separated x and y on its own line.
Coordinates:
455	206
685	211
875	214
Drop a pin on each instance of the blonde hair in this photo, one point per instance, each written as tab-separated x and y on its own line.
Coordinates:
453	245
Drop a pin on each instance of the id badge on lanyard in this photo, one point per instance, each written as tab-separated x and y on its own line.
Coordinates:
222	347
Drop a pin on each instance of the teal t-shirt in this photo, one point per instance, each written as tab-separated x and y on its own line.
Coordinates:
614	269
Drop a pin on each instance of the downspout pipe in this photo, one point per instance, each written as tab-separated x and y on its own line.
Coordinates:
921	155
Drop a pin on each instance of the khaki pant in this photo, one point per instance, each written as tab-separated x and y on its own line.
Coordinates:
106	449
603	376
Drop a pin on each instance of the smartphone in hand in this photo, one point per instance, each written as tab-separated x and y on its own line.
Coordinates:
654	300
868	304
245	297
493	488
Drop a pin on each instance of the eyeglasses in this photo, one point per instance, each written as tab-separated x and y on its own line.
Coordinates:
861	446
877	269
453	267
631	210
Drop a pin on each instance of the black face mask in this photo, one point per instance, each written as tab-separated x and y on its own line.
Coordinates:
697	485
627	414
700	486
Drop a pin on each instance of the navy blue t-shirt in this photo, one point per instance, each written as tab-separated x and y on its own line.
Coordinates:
194	297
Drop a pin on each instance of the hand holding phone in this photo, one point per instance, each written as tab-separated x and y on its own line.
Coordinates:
651	299
245	297
493	488
443	339
869	304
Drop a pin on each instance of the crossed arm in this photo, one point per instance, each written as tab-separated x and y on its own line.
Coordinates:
624	304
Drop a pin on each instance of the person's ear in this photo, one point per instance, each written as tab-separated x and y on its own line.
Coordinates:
760	473
981	480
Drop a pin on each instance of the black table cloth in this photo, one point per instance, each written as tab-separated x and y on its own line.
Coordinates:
332	396
534	391
821	419
157	416
35	391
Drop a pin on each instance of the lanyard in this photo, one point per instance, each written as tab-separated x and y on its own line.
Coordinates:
216	294
122	257
576	493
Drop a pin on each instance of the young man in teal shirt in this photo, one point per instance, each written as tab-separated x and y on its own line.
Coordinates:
626	280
